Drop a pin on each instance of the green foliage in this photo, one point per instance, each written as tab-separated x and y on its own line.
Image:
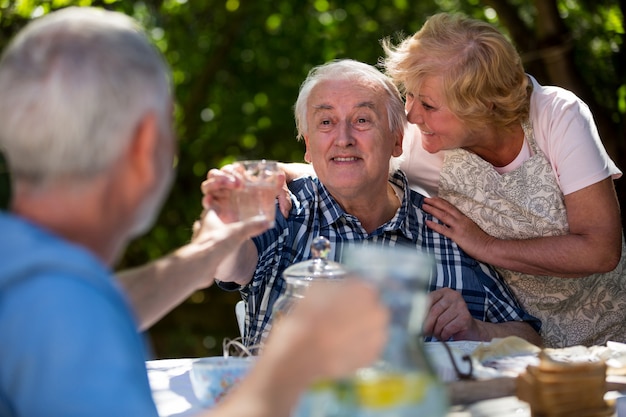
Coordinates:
237	66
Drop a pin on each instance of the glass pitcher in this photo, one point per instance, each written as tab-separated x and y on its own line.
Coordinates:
299	276
402	383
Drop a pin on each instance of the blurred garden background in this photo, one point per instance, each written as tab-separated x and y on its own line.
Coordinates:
237	66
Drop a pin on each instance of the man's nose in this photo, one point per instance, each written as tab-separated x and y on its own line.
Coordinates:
344	134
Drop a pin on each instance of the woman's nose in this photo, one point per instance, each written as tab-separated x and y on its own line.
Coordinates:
410	107
413	114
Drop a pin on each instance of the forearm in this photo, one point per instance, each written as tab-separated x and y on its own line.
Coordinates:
295	170
565	256
592	244
488	331
239	266
158	287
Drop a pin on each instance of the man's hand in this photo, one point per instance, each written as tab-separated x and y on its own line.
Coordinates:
218	191
337	328
214	240
220	184
449	318
291	171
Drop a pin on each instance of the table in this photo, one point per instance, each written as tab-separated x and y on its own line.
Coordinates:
171	387
174	397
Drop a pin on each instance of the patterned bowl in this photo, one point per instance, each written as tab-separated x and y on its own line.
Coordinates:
213	377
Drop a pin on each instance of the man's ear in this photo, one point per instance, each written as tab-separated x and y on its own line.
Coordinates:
143	147
397	147
307	158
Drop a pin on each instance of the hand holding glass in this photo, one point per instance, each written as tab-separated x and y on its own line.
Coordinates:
257	196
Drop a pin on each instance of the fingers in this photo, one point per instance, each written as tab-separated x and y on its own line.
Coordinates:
448	315
217	192
439	228
220	179
441	209
284	202
249	228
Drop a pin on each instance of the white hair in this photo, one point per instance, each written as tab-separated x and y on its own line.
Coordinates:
358	72
74	85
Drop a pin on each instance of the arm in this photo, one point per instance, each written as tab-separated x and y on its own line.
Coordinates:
291	171
449	318
157	287
295	170
592	245
332	332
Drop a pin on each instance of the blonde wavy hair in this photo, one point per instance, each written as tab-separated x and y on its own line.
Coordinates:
483	77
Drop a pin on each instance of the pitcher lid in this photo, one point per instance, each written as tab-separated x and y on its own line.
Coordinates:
318	267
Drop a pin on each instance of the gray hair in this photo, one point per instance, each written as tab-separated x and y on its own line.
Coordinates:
348	69
75	84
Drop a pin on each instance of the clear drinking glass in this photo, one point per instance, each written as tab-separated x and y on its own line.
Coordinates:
258	195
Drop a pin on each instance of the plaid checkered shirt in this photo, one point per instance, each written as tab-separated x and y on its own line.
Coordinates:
315	213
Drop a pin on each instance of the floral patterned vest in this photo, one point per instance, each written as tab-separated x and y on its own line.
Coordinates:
525	203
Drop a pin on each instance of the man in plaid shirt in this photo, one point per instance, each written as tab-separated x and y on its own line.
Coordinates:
352	120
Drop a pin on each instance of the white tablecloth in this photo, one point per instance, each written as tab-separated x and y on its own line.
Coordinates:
171	387
174	397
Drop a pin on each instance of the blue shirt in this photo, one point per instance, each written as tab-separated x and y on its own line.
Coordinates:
316	213
69	343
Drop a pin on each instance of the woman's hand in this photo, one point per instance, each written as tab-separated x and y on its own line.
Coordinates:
458	227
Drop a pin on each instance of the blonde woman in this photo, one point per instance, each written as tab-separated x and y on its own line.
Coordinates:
522	178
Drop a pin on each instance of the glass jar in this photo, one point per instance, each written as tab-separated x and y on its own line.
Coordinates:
299	276
402	383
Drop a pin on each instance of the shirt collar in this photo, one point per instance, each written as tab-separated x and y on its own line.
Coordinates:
331	211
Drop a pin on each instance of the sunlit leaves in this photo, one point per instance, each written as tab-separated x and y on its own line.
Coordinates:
401	4
321	5
232	5
273	22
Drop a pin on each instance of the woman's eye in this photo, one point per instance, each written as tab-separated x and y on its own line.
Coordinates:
427	106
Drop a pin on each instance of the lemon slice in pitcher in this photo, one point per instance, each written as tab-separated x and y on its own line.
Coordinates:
377	390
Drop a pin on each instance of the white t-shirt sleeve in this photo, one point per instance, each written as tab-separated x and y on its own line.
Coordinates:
421	168
566	132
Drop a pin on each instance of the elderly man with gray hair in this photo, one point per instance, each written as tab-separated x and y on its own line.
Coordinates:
352	120
85	121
